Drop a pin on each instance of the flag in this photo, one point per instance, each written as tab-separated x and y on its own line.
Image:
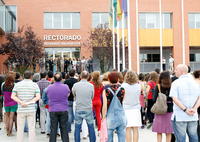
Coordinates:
124	8
119	11
115	6
110	15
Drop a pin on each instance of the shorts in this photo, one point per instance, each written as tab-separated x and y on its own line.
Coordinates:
11	108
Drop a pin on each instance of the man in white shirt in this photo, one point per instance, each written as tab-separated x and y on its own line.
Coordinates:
83	63
171	63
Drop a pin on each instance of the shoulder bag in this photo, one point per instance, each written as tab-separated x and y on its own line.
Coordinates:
160	106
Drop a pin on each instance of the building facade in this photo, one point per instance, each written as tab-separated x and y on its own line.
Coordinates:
64	26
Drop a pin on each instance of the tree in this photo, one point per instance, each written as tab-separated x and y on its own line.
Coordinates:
100	43
22	48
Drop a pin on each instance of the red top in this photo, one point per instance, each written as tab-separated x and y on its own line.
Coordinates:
97	92
151	87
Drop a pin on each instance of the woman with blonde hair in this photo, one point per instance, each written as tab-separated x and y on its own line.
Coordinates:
97	96
131	105
150	88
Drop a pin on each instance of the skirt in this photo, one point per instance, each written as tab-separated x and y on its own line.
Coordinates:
133	118
162	123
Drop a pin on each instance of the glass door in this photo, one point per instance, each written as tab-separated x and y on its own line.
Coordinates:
67	55
60	52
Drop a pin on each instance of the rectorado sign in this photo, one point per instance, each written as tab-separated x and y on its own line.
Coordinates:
62	37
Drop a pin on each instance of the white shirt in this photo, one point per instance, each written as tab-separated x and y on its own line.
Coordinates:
83	61
163	61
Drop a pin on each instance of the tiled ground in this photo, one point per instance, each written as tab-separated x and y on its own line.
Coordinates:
145	135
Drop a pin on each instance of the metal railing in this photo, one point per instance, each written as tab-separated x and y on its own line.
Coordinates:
194	66
147	67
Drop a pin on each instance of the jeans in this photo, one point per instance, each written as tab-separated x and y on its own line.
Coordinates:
88	116
42	115
70	114
181	128
41	69
62	118
49	122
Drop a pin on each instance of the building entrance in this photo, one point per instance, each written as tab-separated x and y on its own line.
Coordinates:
73	53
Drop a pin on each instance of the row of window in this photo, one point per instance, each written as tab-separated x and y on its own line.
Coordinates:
146	20
72	20
66	20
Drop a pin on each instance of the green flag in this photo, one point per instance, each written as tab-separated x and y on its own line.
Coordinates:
115	11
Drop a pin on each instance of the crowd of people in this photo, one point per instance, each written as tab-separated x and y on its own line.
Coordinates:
115	102
63	65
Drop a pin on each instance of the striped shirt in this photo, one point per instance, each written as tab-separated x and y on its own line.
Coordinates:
43	83
26	91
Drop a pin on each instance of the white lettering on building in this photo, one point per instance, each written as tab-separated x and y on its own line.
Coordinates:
62	37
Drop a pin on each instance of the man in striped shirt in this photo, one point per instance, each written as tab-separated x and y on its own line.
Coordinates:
26	93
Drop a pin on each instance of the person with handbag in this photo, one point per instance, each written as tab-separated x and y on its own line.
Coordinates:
162	122
150	88
112	109
132	105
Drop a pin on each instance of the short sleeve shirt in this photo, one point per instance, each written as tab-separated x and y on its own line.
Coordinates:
26	91
187	91
152	86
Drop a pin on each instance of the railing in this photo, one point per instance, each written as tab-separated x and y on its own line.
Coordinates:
194	66
147	67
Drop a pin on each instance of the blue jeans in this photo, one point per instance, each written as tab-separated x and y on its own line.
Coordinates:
49	122
181	128
88	116
41	69
70	115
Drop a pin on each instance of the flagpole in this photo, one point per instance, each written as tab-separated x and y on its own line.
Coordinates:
129	35
113	16
118	54
123	46
183	33
138	47
160	37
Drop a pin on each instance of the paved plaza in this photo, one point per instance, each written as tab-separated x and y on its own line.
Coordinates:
145	135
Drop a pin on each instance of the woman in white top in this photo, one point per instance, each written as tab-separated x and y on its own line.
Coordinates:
74	63
131	105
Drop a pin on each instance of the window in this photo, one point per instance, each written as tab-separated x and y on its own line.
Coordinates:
1	15
61	20
195	57
152	20
102	18
149	57
11	18
194	20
